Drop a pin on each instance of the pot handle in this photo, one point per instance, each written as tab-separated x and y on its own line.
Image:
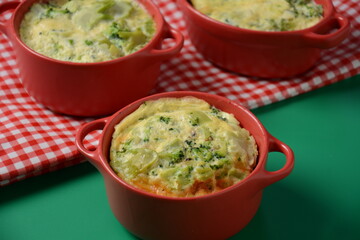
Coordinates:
173	50
93	154
329	34
6	6
269	177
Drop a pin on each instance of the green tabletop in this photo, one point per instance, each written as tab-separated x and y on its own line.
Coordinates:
320	199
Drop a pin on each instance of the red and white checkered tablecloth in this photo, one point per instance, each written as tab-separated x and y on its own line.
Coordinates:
34	140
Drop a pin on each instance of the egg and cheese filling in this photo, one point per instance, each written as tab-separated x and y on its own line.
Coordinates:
181	147
263	15
86	30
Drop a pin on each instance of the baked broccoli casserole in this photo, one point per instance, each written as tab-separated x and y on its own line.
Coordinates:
181	147
263	15
86	30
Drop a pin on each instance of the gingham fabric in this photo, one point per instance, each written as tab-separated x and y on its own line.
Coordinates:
34	140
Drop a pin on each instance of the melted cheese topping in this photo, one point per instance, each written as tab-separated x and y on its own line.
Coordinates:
86	30
181	147
263	15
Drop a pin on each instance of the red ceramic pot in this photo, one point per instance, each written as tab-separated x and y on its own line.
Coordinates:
261	53
88	89
214	216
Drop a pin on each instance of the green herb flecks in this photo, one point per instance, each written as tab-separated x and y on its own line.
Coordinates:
190	143
126	146
216	112
216	167
89	42
164	119
178	157
194	121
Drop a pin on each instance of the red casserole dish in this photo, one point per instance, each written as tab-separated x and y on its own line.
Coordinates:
261	53
89	89
215	216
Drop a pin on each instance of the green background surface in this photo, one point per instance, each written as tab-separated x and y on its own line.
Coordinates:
320	199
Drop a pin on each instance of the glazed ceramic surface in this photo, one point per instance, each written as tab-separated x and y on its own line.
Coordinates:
214	216
89	89
260	53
